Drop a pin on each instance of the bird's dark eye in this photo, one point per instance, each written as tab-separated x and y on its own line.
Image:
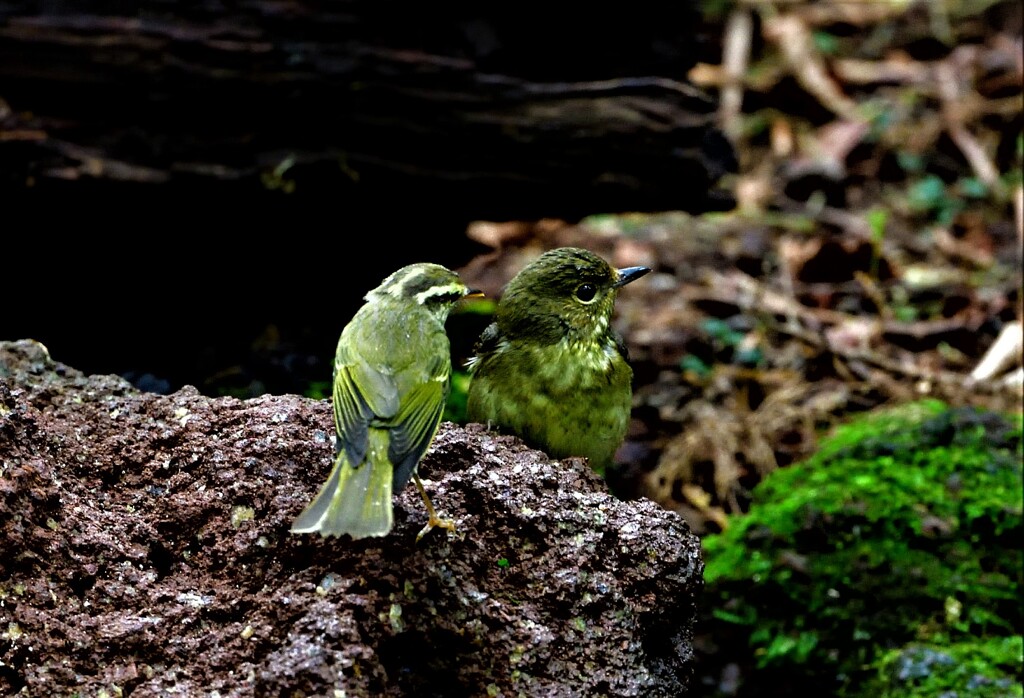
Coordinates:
586	292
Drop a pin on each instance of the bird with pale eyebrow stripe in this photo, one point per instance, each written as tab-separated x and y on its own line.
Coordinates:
392	374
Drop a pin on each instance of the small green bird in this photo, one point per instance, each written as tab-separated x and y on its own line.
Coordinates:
392	373
550	368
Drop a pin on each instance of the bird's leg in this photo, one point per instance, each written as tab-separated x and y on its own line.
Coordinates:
434	519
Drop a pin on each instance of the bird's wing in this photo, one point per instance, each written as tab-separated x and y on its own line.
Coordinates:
415	425
361	393
487	343
620	345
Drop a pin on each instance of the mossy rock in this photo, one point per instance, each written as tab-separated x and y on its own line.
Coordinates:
904	527
981	669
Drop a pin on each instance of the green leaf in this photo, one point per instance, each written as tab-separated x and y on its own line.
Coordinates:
877	219
927	193
826	43
693	364
973	187
910	162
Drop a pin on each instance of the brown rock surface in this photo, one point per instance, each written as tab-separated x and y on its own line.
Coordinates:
144	551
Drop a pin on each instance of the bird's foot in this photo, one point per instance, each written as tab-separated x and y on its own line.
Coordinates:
436	522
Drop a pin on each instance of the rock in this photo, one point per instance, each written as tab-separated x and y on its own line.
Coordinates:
146	552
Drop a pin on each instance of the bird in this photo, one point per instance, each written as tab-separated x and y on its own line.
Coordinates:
550	368
391	378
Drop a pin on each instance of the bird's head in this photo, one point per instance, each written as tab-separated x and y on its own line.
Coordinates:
430	286
566	292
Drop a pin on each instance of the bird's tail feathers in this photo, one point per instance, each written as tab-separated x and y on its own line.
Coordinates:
354	500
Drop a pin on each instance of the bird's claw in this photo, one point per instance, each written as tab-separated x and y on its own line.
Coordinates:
436	522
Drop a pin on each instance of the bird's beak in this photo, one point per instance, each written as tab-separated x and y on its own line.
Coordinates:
629	274
473	293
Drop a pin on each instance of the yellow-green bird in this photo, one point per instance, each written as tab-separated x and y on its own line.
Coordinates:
550	368
392	372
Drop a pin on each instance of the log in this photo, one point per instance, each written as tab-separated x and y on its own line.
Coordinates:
505	112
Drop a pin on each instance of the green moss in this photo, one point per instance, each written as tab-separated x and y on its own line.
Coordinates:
455	407
983	669
904	526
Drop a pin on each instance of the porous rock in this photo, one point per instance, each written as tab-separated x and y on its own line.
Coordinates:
145	551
